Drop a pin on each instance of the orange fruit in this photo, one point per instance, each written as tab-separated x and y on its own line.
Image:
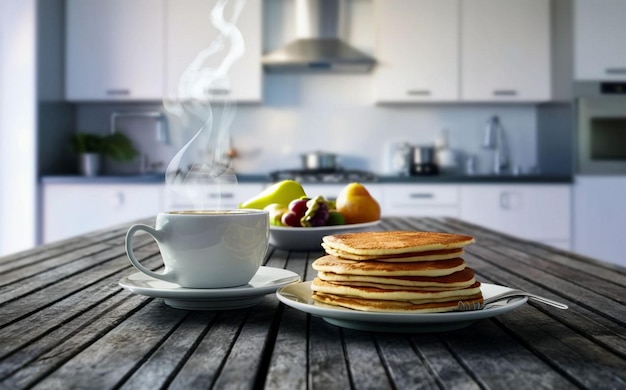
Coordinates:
356	204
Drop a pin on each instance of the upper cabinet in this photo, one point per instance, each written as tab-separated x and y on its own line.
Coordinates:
203	64
505	50
138	50
417	50
600	39
114	49
463	50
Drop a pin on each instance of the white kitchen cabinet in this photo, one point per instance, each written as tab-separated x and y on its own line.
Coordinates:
599	228
73	209
538	212
417	50
225	196
600	39
418	200
463	50
505	50
214	75
114	49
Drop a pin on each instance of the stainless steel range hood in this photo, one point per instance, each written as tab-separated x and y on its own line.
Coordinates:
317	47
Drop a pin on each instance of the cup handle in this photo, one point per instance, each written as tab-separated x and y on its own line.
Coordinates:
168	277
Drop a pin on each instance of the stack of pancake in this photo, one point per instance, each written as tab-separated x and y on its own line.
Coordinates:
397	271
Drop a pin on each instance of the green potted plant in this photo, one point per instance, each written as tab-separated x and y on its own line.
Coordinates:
91	147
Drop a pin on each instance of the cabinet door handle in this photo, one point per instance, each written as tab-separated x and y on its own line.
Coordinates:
118	92
418	92
421	195
118	199
217	91
615	70
505	92
505	200
228	195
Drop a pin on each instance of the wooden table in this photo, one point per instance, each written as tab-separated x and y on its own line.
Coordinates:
66	323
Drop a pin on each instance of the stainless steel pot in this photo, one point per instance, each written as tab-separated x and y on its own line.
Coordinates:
424	161
319	161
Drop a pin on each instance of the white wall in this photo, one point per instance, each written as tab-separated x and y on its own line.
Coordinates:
18	182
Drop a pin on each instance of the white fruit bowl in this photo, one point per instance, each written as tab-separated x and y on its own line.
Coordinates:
310	238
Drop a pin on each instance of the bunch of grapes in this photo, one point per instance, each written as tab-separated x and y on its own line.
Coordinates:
306	212
319	217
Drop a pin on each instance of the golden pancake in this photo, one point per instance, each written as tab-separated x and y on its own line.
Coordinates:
404	257
377	305
456	280
319	285
395	242
336	265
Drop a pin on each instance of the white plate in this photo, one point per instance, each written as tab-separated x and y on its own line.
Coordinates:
310	238
298	296
267	280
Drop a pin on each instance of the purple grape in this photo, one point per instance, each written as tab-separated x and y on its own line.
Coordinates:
291	219
298	206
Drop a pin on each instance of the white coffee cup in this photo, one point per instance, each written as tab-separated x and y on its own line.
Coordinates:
207	248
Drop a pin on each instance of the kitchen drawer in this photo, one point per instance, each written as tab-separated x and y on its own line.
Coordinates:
74	209
535	212
225	197
420	200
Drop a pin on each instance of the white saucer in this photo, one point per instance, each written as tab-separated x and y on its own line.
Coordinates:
267	280
298	296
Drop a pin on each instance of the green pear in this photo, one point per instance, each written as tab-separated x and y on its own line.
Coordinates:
282	193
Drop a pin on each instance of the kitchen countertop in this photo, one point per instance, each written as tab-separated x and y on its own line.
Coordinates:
386	179
66	323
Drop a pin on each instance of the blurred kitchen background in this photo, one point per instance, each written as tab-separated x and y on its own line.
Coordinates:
507	113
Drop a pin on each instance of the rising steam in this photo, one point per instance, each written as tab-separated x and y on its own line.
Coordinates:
203	164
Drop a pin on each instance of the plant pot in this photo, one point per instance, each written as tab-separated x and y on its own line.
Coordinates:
89	164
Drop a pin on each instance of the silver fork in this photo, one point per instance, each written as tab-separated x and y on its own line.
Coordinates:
464	306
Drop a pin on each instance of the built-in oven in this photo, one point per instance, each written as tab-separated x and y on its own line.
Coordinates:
601	128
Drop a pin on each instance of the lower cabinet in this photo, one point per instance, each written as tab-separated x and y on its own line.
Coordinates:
599	228
538	212
420	200
73	209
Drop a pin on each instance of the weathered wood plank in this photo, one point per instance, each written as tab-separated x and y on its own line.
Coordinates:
582	360
560	288
327	361
288	364
497	361
58	248
594	325
105	363
63	285
405	367
161	366
364	364
48	316
61	274
60	344
205	362
449	373
245	366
